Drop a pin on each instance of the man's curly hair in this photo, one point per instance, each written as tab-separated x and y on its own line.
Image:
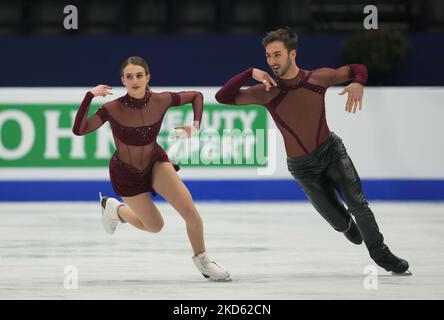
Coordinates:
286	35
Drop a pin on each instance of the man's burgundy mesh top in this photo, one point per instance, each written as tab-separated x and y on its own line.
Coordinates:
296	105
135	123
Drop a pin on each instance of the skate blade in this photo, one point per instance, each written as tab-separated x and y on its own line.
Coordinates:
407	273
227	279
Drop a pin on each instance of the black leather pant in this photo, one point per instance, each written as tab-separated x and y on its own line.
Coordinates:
328	172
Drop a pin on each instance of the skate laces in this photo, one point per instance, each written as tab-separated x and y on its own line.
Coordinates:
216	264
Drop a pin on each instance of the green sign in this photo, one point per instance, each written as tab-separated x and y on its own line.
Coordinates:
40	135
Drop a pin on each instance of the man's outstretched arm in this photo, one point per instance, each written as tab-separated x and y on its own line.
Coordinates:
357	73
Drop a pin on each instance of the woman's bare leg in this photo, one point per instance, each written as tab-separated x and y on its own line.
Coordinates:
141	213
167	183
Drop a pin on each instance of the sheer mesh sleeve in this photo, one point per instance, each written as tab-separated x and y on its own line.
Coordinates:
103	113
329	77
193	97
359	73
228	92
231	92
82	125
175	99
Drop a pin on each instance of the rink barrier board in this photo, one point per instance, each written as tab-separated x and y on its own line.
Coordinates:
388	139
220	190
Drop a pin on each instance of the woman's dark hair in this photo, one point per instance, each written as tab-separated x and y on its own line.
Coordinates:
285	35
138	61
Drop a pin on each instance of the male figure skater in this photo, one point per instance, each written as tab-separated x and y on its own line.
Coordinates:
316	157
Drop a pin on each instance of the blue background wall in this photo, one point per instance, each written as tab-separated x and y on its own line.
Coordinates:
194	60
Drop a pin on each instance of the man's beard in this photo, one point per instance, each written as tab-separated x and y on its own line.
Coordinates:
283	70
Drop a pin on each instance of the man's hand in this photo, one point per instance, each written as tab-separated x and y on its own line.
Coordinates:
101	90
355	93
264	77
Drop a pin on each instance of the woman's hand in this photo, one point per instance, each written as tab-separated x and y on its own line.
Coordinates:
101	90
183	132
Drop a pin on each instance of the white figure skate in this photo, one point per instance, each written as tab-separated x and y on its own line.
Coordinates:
210	269
110	216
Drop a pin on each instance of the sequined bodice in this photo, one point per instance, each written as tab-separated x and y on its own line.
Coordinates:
136	136
132	135
136	123
134	103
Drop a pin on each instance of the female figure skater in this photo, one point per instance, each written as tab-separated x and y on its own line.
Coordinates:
140	165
